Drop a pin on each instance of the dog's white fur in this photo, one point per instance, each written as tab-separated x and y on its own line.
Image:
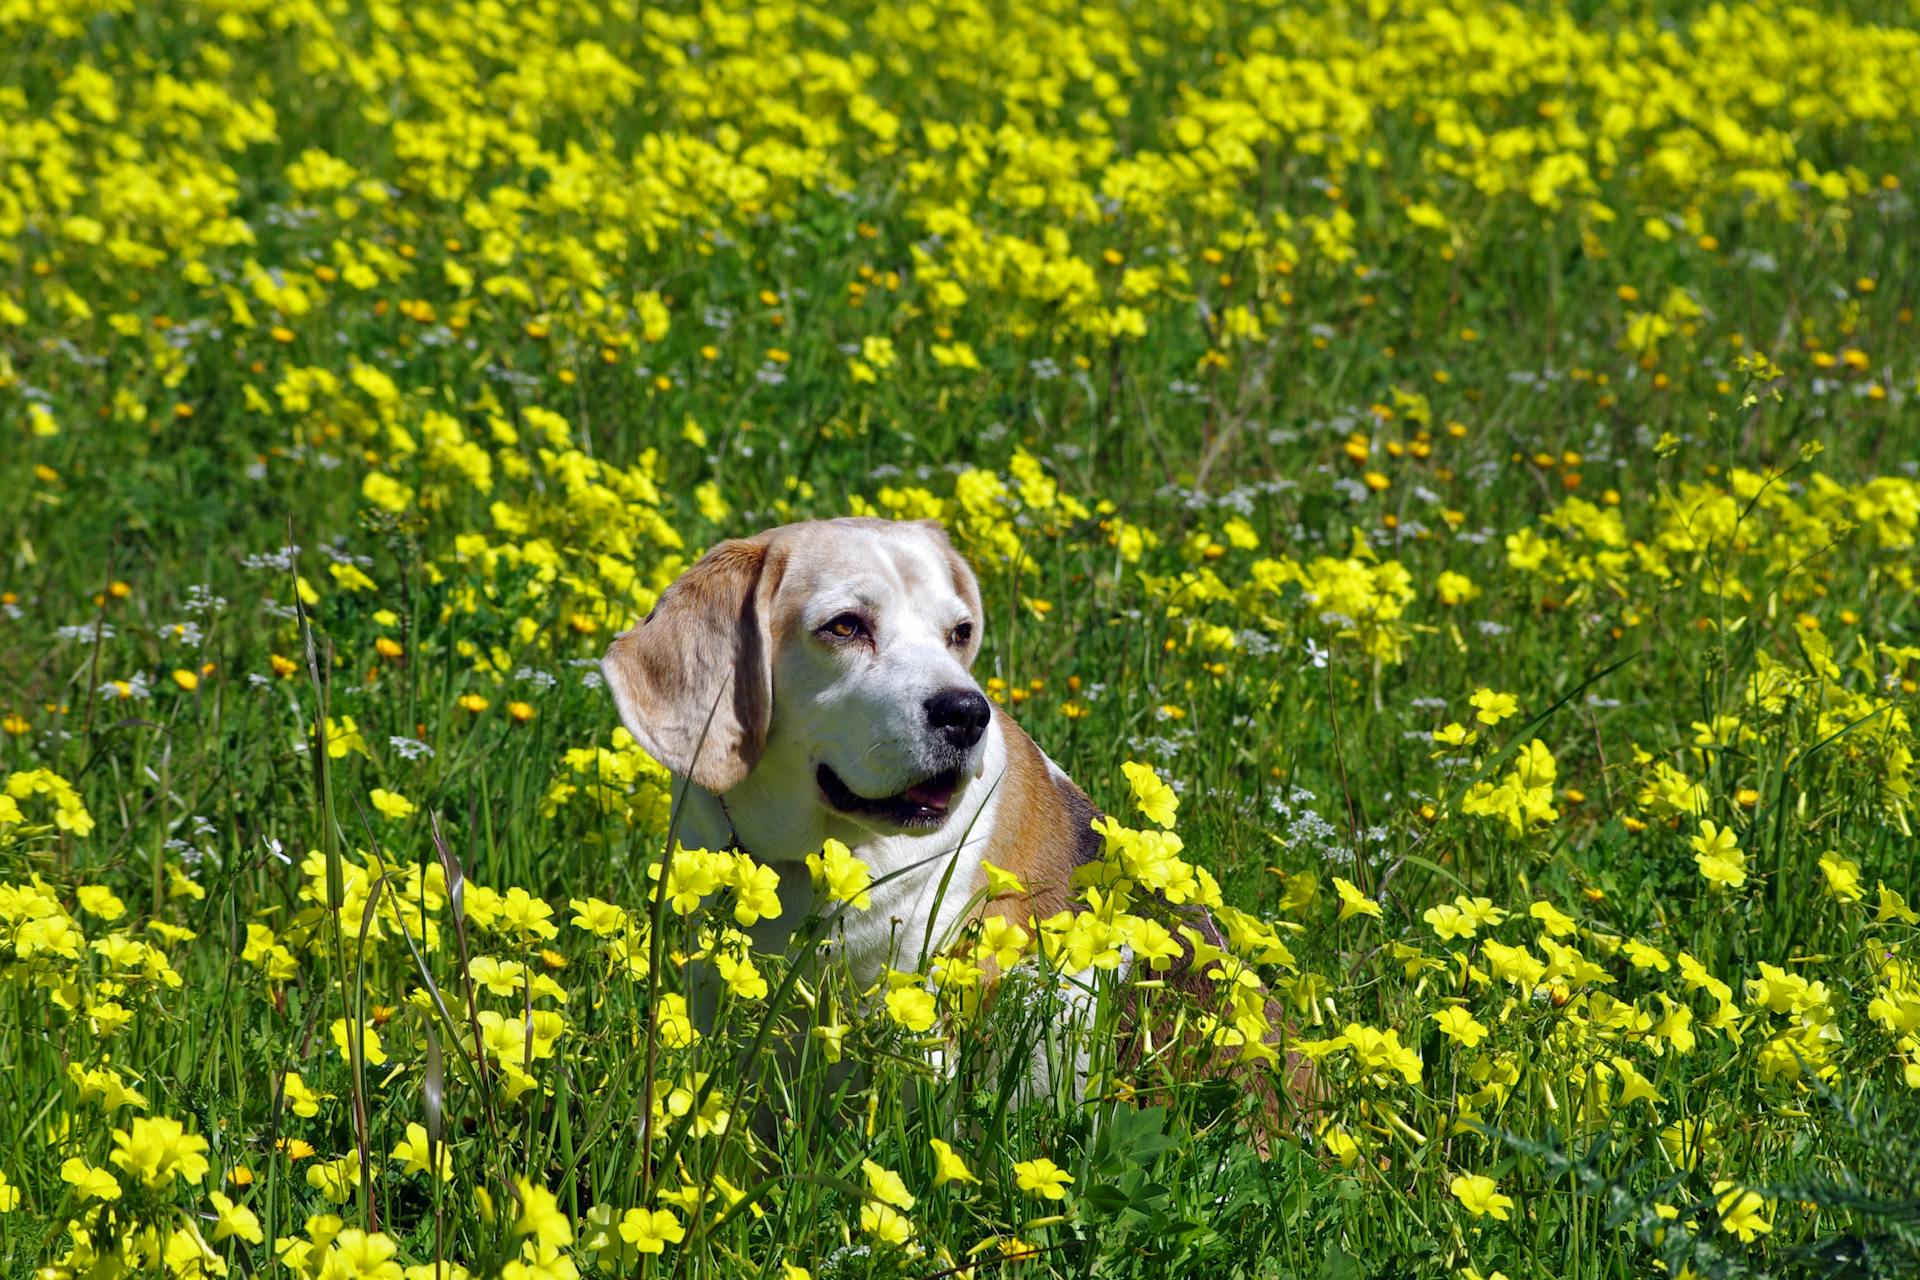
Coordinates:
736	683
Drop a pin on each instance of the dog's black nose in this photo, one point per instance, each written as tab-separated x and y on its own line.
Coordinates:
959	715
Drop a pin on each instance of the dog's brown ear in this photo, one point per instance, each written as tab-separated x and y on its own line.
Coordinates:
705	651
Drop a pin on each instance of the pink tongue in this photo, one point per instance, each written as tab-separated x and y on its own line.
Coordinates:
932	795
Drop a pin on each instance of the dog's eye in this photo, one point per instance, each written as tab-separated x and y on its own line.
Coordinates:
960	635
845	626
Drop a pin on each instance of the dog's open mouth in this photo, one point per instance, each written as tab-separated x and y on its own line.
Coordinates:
924	804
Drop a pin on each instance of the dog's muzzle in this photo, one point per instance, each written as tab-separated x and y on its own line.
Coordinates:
924	804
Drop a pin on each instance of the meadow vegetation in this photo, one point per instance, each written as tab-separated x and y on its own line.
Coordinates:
1443	475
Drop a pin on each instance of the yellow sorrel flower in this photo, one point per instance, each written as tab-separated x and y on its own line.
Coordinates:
948	1166
886	1186
1481	1196
840	875
651	1230
1718	854
1740	1211
1043	1178
1353	902
158	1150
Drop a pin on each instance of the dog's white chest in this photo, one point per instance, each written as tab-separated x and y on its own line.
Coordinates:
911	918
922	890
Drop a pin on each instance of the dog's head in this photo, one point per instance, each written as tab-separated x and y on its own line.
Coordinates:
828	661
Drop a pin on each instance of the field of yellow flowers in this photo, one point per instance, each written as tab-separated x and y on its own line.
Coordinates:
1445	476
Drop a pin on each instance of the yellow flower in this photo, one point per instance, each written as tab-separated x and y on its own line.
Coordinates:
1342	1146
651	1230
756	890
947	1165
676	1027
831	1036
601	919
540	1261
385	492
1455	588
1894	907
1449	922
186	679
540	1215
1843	877
9	1195
392	803
740	975
1381	1051
1353	902
350	577
343	736
335	1179
885	1185
412	1153
840	875
1552	919
1739	1211
1001	882
1460	1026
232	1219
158	1150
911	1007
885	1223
1001	939
1042	1178
369	1042
301	1096
353	1254
1151	795
955	355
1513	964
1719	856
91	1183
100	902
526	915
1685	1141
1481	1196
1491	707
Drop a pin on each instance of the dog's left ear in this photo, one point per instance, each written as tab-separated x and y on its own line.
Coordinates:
694	681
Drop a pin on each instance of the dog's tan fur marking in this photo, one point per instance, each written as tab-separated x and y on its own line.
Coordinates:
1040	831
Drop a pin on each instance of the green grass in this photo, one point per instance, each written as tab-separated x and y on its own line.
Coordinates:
559	322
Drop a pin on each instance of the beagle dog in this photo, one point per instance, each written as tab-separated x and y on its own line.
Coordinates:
813	681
